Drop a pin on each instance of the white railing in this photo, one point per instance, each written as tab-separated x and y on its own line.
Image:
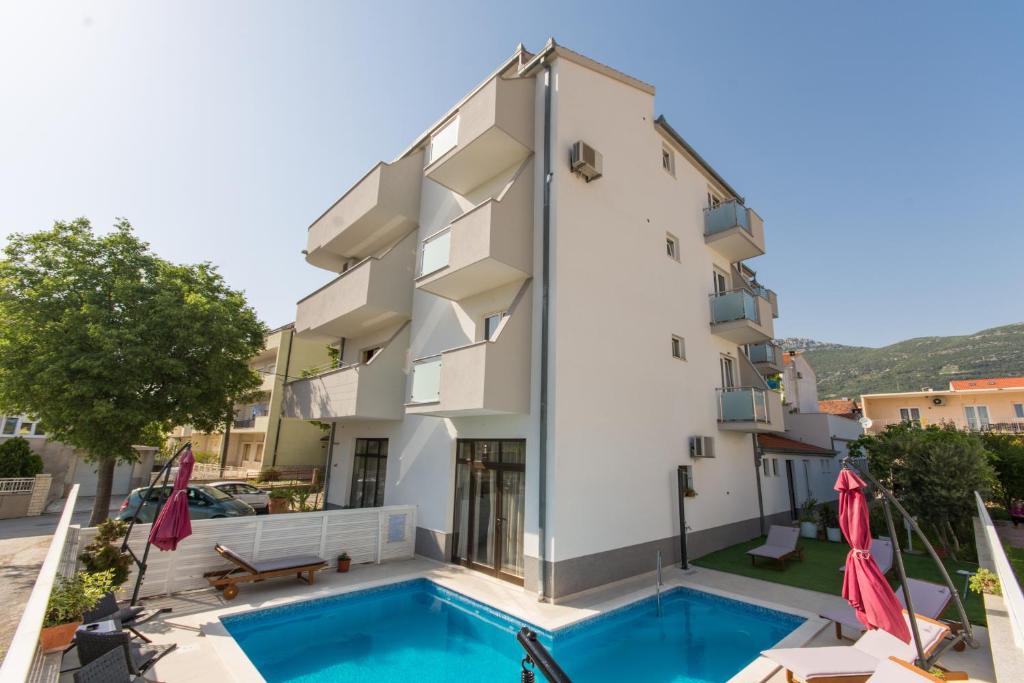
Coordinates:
24	646
426	380
435	252
1012	596
366	534
442	141
18	485
999	426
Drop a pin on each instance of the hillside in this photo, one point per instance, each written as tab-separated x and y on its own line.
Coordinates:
909	365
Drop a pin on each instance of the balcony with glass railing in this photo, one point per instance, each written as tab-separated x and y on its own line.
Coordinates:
490	377
734	231
741	317
375	212
373	294
491	132
766	357
487	247
749	409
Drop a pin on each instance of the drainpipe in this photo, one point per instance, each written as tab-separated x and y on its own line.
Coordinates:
287	364
542	460
758	459
329	464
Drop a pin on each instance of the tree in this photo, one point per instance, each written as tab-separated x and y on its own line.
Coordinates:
17	459
934	472
102	341
1008	460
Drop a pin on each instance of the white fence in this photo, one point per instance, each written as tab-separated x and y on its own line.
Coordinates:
366	534
23	654
1012	596
17	485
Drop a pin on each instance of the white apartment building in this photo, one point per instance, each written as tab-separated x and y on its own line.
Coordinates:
530	353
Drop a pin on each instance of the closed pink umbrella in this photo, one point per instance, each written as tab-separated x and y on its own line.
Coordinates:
864	586
172	525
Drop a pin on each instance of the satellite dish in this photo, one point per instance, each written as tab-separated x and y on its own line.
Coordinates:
865	422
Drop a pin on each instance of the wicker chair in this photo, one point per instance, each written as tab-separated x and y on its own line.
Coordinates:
109	668
139	656
125	617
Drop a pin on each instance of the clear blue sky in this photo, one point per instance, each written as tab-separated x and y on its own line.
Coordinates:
880	141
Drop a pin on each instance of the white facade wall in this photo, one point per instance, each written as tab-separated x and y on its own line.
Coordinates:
800	384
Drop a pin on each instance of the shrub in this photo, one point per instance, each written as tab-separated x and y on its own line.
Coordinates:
269	474
104	553
72	596
17	459
829	517
808	513
985	581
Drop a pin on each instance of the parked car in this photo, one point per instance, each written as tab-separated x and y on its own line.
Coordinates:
247	493
204	502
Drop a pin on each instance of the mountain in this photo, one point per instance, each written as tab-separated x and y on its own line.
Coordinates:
849	371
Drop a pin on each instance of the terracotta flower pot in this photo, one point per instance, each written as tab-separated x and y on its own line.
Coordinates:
278	505
343	566
57	638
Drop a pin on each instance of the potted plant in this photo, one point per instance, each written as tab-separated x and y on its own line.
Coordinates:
830	523
690	493
280	499
809	519
344	562
70	598
985	581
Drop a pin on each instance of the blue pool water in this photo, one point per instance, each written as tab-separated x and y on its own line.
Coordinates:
419	631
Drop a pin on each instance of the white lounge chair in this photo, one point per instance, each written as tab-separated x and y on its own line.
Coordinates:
895	670
881	550
930	600
780	545
856	663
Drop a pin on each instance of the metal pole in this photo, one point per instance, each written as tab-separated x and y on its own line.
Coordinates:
894	539
681	477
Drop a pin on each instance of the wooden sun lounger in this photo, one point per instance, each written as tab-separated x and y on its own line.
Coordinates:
781	545
244	570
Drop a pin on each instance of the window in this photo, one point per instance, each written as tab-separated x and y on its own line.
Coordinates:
775	467
713	200
728	374
977	417
678	347
672	246
764	466
910	415
1018	411
10	425
826	465
20	425
720	281
491	324
668	160
367	354
369	473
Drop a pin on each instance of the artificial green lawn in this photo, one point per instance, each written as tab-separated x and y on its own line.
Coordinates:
820	571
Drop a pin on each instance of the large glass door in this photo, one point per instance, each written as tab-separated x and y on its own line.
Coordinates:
490	488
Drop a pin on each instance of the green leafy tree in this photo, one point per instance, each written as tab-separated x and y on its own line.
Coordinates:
1008	460
17	459
101	340
934	472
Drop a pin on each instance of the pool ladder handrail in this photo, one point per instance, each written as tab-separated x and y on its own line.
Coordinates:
537	655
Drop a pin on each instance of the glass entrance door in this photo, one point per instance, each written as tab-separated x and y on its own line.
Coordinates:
490	488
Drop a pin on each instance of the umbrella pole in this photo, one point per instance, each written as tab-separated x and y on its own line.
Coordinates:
966	630
140	565
921	661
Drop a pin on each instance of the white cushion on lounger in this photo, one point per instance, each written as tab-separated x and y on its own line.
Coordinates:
817	662
773	551
892	672
930	599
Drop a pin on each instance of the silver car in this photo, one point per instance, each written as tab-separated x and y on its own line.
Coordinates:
247	493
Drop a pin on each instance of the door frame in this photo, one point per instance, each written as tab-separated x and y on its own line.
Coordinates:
500	468
790	480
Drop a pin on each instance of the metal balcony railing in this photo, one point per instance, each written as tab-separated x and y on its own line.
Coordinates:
725	216
426	380
736	304
743	404
766	352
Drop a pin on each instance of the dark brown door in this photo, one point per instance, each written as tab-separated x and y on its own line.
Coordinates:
490	488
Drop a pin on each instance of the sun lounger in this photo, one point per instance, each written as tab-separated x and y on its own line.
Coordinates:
881	550
856	663
895	670
246	570
930	600
780	545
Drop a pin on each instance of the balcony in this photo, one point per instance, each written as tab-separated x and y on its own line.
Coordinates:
360	391
749	409
381	207
734	231
492	131
371	295
484	378
488	246
250	424
741	317
766	357
268	375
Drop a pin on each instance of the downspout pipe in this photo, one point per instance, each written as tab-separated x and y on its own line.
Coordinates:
542	459
287	365
758	459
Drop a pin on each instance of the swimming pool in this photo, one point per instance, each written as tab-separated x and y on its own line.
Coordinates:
417	630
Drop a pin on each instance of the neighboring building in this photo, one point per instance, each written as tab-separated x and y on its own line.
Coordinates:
842	407
800	384
260	436
68	466
992	404
794	471
604	339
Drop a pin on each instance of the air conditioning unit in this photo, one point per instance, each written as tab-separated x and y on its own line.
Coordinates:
585	161
938	401
702	447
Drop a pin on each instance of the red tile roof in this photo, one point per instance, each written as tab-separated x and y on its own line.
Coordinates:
839	406
987	383
774	442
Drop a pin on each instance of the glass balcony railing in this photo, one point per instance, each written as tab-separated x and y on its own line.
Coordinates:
426	380
435	252
738	304
765	353
726	216
742	404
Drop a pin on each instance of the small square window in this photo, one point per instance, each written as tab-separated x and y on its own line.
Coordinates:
10	425
713	200
775	467
491	324
678	347
25	429
368	354
672	246
1018	410
668	160
764	466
